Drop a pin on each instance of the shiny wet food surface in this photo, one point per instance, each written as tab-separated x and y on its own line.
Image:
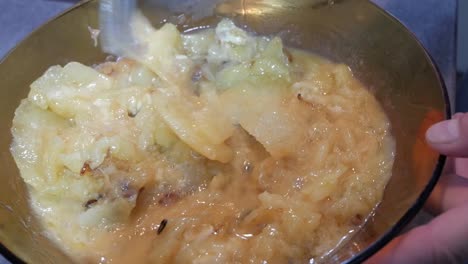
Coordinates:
217	146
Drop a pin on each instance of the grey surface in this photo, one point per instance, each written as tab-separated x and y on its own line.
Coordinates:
462	61
19	17
433	22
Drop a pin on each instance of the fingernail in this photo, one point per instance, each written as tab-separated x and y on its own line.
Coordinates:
444	132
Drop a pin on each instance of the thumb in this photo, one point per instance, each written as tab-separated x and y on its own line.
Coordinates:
443	240
450	137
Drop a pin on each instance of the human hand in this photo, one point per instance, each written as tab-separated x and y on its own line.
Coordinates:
445	238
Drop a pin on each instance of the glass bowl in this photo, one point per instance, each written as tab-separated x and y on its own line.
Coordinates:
382	53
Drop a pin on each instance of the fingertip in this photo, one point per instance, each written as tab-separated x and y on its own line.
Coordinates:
450	137
444	132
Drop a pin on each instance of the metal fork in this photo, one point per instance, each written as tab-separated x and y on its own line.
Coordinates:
115	24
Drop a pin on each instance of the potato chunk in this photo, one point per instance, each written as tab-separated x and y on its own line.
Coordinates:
277	123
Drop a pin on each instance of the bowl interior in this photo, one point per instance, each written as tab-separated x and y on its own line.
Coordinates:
381	52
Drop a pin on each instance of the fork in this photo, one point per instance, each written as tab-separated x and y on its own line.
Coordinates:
115	24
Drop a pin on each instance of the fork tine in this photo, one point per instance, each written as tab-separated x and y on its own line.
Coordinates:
115	19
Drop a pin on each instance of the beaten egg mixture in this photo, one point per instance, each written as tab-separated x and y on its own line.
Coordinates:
213	147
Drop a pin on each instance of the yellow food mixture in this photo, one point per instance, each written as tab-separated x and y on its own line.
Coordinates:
213	147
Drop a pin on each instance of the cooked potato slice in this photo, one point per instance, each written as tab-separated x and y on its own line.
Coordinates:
203	128
277	123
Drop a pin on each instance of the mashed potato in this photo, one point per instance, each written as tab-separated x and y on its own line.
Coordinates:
212	147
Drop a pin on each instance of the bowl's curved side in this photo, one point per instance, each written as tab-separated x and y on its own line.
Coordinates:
427	165
394	65
421	199
60	40
436	174
8	255
383	54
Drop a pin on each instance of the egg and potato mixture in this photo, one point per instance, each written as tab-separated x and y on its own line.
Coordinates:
213	147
